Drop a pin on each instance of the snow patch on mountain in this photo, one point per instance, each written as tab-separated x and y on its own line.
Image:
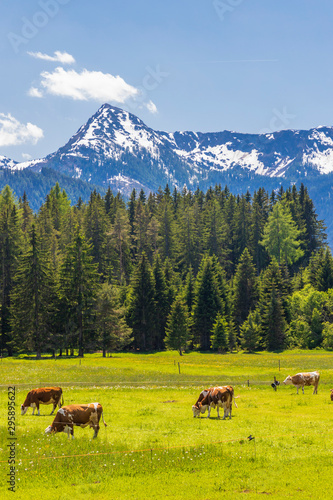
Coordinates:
7	163
115	147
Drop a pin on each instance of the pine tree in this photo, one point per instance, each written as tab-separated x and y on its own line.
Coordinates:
141	309
259	215
220	334
324	276
177	333
281	236
112	330
120	240
161	303
214	230
78	287
245	289
167	230
97	225
11	240
188	242
271	278
141	222
274	322
251	332
207	304
33	298
242	225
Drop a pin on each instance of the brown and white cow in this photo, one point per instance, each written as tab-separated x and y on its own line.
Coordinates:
83	415
44	396
195	408
331	394
218	397
304	379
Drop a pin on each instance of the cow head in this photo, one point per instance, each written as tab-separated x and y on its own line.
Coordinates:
24	409
288	380
196	411
48	429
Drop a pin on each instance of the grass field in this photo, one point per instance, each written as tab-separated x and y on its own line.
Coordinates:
154	448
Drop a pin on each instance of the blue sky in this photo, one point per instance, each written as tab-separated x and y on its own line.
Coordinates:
202	65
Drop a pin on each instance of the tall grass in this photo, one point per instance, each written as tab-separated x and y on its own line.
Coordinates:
154	448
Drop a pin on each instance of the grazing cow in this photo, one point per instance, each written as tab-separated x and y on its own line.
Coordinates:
331	394
80	415
44	396
303	379
231	389
195	408
219	397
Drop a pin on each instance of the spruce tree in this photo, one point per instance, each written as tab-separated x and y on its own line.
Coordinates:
220	334
11	243
161	303
33	299
112	330
167	229
274	322
97	225
177	333
142	309
250	332
120	237
281	237
79	280
207	303
245	289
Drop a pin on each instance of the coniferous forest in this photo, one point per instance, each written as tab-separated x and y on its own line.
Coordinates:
179	270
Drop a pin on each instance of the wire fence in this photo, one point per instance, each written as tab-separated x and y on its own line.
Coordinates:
151	449
143	383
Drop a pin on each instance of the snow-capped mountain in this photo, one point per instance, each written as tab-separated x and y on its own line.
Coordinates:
7	163
116	148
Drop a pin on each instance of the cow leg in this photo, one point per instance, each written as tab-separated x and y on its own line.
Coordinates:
54	407
33	410
218	412
303	389
208	412
96	429
37	406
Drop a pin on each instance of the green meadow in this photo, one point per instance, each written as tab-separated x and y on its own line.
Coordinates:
154	448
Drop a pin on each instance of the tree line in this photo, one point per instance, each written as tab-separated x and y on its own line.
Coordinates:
181	270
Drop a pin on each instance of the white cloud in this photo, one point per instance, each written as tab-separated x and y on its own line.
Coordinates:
12	132
151	107
34	92
87	85
61	57
26	156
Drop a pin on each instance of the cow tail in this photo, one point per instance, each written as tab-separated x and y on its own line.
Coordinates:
235	402
104	421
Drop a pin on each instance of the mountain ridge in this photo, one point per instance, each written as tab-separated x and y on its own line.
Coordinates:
114	144
116	148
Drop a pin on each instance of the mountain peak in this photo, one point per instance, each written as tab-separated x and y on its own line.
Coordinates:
116	146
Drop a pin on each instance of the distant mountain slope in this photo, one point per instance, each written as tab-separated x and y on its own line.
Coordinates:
116	148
